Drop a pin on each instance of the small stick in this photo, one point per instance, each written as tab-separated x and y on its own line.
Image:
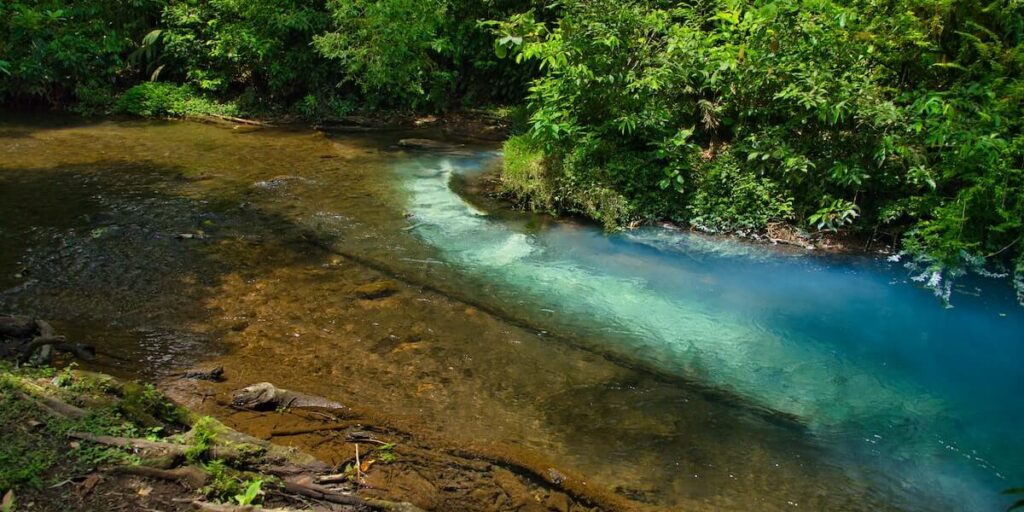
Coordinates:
359	473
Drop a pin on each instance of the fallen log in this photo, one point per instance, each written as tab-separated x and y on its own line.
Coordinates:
264	396
35	341
230	119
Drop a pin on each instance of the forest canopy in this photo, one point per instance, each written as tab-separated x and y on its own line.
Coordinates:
892	118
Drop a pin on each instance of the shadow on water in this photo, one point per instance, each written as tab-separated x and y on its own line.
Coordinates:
165	244
117	257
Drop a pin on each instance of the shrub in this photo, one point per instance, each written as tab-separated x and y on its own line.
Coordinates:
155	99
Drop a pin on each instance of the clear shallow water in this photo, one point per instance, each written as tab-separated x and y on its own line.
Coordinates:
923	398
585	378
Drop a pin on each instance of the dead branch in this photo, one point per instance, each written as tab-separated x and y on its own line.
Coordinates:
238	120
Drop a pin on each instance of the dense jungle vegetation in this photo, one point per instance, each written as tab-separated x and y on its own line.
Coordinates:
894	118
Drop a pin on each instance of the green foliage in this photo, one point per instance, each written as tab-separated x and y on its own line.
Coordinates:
220	46
261	54
158	99
57	52
835	214
851	115
386	453
203	435
524	175
416	53
387	46
31	451
251	493
228	484
729	197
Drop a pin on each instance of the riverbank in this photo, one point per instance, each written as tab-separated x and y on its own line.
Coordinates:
77	440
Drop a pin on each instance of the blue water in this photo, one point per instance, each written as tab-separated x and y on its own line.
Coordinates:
875	367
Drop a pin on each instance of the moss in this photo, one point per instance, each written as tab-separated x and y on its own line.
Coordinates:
146	405
35	444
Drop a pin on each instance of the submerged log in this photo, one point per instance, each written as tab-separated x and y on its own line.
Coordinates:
426	144
17	326
265	396
34	340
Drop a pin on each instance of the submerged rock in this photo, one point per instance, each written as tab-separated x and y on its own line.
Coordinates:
375	290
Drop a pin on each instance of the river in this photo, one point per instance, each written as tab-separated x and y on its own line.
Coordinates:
669	369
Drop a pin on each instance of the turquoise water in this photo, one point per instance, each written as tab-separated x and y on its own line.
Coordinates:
872	366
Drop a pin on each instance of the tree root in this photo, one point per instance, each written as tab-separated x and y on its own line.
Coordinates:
205	506
55	407
311	430
191	476
178	450
304	486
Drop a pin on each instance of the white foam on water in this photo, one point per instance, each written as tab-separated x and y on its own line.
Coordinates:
779	371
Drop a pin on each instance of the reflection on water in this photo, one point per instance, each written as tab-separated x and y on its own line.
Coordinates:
670	371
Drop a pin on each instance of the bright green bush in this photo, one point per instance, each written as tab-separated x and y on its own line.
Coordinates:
901	116
728	197
158	99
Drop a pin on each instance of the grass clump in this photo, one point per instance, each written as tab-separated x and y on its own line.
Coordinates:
524	175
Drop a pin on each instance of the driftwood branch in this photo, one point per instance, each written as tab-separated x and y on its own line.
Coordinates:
232	119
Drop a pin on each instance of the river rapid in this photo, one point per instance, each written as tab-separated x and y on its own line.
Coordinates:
670	370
